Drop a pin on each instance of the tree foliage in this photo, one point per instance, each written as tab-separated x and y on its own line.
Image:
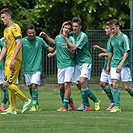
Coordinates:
48	15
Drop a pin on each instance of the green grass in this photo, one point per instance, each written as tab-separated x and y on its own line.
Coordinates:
50	121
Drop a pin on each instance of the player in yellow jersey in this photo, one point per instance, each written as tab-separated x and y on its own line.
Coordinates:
13	50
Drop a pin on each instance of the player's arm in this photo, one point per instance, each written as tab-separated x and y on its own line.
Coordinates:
18	46
71	52
71	45
119	68
52	54
102	55
48	38
109	61
95	47
51	49
3	52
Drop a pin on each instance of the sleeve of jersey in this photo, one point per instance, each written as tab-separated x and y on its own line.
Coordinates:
17	32
81	41
126	43
110	49
45	45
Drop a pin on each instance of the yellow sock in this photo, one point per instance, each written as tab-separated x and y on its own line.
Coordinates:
13	97
10	98
17	92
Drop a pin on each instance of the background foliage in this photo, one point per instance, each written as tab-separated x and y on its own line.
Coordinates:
48	15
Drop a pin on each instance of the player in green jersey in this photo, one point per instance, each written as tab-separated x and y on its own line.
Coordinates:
65	65
119	63
83	65
105	79
4	89
32	48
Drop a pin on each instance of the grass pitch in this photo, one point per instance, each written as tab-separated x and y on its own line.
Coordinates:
48	120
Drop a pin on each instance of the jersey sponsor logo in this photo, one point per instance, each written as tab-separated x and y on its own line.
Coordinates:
36	43
120	43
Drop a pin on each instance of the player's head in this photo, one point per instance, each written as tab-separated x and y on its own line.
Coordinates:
6	16
108	28
76	24
67	25
115	26
30	31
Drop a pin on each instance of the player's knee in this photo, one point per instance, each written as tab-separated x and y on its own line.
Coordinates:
102	84
34	85
6	85
127	88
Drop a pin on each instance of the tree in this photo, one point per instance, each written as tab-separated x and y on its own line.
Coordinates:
48	15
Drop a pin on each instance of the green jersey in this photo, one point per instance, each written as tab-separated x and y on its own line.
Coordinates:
1	46
82	53
106	58
32	54
119	46
62	56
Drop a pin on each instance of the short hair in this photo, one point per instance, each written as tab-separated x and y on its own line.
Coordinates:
108	23
66	23
30	27
115	22
77	20
6	11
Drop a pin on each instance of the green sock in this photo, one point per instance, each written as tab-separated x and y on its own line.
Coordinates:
65	102
92	96
62	96
30	90
84	93
116	96
34	96
131	92
109	93
6	96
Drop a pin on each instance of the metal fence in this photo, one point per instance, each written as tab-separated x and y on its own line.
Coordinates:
95	37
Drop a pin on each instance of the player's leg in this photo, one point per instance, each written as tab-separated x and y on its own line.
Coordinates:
126	79
11	76
62	91
105	80
5	91
35	81
115	91
68	74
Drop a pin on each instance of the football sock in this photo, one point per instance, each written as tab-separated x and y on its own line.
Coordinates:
6	97
65	102
131	92
62	96
116	96
109	93
17	92
10	98
34	96
92	96
13	100
84	93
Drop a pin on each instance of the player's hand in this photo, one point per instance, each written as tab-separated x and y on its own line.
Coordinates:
42	34
64	46
12	64
108	70
50	55
95	47
118	69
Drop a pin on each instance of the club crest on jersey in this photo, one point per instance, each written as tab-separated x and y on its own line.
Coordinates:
119	43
